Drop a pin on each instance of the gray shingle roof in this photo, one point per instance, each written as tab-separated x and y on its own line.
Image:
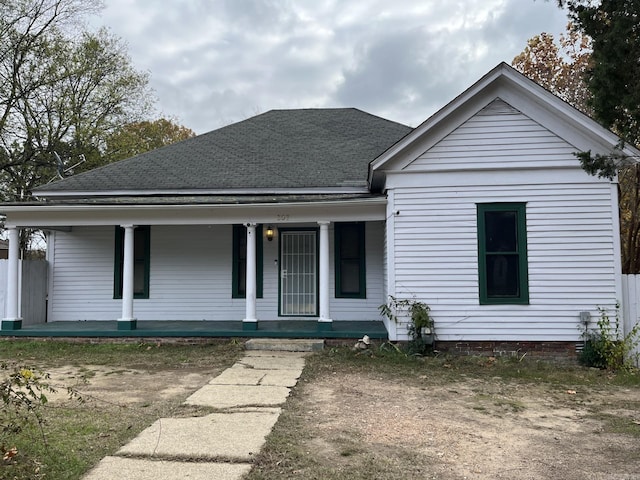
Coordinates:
280	149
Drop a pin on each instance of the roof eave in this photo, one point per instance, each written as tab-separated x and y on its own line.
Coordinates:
189	192
45	215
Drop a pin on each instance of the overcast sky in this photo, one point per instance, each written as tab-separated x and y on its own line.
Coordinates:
214	62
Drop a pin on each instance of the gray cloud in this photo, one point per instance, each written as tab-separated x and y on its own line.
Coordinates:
215	62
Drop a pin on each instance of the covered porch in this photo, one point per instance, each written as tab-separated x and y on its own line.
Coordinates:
207	270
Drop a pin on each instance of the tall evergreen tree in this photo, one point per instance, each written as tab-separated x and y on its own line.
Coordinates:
614	76
613	80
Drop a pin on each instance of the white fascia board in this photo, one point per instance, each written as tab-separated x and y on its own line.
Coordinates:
196	192
45	215
455	179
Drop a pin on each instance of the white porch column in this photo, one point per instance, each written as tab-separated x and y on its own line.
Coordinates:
250	321
12	321
324	322
127	321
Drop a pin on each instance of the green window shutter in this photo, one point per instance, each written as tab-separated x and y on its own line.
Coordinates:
350	260
239	262
141	261
502	253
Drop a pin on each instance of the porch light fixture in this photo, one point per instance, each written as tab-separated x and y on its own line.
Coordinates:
269	233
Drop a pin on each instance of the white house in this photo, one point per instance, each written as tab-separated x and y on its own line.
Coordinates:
483	212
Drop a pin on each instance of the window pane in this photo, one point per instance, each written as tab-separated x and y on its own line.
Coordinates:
350	260
139	244
241	261
502	276
349	241
350	280
242	244
242	277
501	231
138	277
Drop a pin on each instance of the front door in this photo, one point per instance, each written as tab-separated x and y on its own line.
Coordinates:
298	273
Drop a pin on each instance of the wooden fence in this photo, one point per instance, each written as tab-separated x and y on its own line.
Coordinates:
33	307
631	306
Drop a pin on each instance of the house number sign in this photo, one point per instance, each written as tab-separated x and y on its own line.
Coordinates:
282	218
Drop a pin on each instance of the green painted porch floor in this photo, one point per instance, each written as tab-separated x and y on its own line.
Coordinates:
169	328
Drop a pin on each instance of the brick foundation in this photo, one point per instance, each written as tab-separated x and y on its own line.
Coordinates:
557	351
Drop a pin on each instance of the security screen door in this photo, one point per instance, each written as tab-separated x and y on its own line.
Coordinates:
298	273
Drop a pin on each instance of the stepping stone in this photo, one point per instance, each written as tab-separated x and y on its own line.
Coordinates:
264	361
285	344
264	353
242	375
229	396
138	469
234	436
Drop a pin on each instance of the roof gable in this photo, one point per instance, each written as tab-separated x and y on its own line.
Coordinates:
498	137
506	84
281	150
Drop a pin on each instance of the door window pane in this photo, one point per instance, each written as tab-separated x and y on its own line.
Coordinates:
298	273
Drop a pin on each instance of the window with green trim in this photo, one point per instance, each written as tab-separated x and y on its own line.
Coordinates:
141	262
502	253
239	264
350	272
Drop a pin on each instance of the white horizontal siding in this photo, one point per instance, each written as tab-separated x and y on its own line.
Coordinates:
190	277
570	257
81	287
497	137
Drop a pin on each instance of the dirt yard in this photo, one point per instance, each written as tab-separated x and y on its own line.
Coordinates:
366	425
476	429
462	419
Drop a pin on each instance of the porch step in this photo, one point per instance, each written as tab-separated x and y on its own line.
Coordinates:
285	344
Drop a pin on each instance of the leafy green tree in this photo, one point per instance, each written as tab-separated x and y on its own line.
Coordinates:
25	26
139	137
63	91
92	91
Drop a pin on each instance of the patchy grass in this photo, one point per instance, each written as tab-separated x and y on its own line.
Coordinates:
126	355
76	435
619	424
618	417
445	369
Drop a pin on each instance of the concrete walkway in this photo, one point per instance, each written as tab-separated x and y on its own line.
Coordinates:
246	402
